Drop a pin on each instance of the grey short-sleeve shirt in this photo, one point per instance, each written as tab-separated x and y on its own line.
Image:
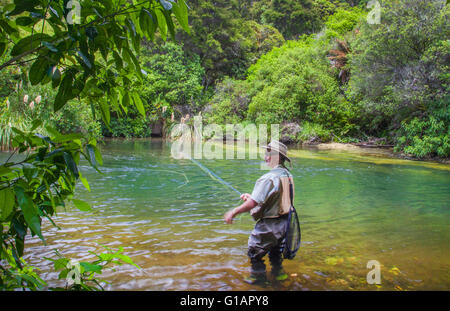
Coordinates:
265	186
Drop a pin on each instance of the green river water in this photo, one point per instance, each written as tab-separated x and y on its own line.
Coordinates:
168	215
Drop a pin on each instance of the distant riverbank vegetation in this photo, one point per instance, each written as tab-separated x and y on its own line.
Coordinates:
316	67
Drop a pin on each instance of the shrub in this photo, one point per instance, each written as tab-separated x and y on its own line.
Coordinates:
172	77
427	136
400	65
296	83
343	21
312	132
76	117
127	127
230	102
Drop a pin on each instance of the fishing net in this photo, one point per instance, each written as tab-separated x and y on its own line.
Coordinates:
293	235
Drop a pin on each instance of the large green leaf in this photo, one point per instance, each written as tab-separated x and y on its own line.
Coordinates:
64	91
88	267
170	24
85	182
29	43
138	103
19	227
2	48
152	23
143	22
71	163
60	263
127	58
104	108
67	137
8	27
98	156
22	6
24	21
113	99
45	138
130	56
125	101
36	123
161	23
85	59
91	154
38	71
4	170
81	205
179	8
29	211
20	244
94	155
127	260
7	201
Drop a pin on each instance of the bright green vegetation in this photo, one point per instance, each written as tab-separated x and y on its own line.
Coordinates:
173	81
400	78
315	64
355	80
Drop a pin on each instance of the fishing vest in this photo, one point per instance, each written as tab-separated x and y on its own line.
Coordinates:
279	203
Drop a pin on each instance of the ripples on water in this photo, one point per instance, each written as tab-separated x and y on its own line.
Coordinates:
167	214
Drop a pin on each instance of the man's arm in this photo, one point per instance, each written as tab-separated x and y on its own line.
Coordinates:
244	207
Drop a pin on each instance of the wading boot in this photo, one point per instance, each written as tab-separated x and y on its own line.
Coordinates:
276	262
279	274
257	271
256	279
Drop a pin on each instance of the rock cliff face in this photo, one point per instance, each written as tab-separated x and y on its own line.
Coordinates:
289	132
158	128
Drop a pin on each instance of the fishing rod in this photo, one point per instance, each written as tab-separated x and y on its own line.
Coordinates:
214	176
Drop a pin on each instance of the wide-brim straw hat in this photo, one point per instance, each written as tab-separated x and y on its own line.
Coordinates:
277	146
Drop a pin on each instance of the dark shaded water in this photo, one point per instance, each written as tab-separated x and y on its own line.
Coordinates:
167	214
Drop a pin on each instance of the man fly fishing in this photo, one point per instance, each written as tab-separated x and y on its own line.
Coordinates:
270	204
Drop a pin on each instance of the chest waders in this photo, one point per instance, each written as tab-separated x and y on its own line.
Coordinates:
277	224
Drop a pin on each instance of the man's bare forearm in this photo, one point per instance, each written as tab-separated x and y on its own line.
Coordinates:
244	207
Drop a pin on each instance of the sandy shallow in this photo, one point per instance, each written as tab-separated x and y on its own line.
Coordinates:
341	146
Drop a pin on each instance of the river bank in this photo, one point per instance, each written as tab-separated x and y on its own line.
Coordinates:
361	149
370	149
